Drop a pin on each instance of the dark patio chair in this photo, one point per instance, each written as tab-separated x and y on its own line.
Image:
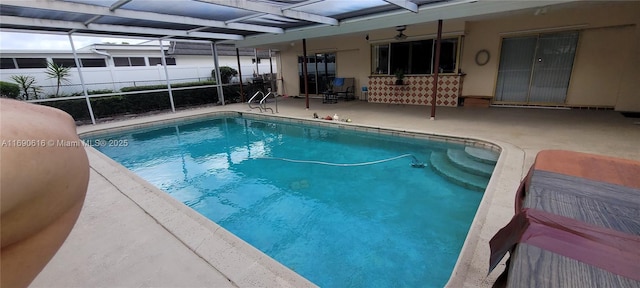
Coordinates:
344	88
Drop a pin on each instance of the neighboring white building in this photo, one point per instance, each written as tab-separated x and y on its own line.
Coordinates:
114	66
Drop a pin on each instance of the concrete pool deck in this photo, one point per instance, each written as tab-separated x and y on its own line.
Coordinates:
130	234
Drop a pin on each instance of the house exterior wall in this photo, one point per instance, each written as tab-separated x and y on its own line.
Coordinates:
605	72
289	70
353	52
603	64
352	58
605	69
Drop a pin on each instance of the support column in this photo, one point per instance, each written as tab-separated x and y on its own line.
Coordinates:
84	87
271	79
304	71
255	54
437	70
166	76
240	76
214	50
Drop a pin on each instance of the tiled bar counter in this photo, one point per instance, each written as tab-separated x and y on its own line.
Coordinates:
416	90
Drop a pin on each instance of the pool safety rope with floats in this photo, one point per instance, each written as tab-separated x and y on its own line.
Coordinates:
415	163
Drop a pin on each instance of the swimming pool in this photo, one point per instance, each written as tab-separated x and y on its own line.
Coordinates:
316	219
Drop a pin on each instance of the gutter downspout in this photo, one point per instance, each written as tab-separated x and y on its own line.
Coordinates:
94	50
110	65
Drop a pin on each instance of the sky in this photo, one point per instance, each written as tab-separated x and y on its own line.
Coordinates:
32	41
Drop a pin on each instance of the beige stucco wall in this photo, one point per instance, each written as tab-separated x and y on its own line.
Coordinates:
599	66
353	52
629	95
605	71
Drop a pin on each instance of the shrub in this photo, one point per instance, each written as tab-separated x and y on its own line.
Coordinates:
226	73
102	91
77	108
90	92
156	87
109	106
143	88
9	90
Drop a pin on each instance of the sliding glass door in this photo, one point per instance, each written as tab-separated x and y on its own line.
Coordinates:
536	69
321	69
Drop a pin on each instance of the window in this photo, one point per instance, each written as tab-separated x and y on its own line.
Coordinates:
128	61
93	62
421	54
137	61
31	63
86	62
380	59
66	62
153	61
414	57
121	61
448	55
7	63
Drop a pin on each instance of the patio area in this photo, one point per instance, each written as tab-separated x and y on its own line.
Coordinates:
130	234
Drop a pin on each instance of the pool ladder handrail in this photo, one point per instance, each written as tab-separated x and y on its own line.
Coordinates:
262	104
253	97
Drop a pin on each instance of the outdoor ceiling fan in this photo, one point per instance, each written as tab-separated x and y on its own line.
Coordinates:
400	35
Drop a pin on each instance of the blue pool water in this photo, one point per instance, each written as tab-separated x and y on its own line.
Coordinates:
380	225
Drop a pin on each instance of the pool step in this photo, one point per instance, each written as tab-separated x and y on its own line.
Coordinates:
441	163
466	162
482	155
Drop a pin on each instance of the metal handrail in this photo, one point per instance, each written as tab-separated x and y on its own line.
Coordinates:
263	104
253	97
263	101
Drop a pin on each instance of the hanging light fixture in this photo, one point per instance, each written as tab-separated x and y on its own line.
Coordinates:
400	35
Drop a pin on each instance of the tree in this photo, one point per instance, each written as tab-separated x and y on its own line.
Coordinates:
226	73
26	83
58	72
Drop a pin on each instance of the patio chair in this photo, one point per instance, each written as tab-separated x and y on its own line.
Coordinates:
344	88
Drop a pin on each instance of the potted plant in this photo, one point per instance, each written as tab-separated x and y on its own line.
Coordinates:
399	76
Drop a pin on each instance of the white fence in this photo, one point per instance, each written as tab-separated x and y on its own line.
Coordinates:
115	78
